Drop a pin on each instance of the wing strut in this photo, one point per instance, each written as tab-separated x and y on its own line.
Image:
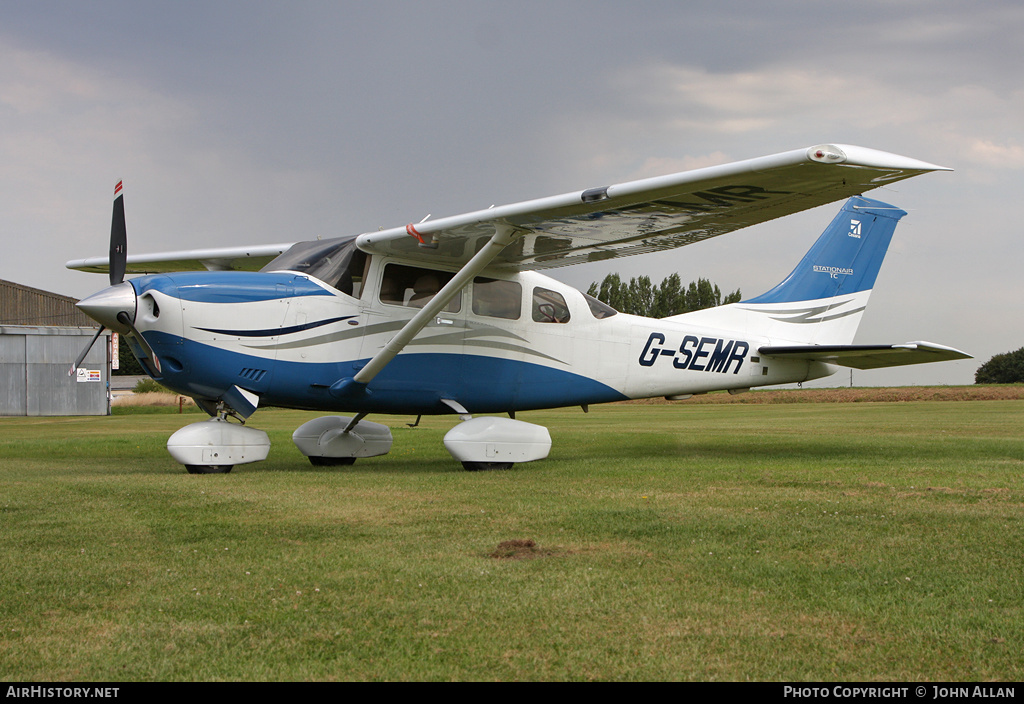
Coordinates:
503	236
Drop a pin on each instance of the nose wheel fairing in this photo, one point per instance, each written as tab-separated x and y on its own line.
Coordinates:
216	445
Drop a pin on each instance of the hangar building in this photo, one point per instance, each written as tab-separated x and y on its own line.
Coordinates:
41	335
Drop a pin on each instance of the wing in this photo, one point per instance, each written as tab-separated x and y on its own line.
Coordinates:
652	214
220	259
601	223
868	356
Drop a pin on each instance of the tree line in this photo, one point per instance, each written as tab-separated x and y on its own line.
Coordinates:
1006	368
670	297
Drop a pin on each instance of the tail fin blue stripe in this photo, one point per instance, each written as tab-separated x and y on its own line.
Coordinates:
845	259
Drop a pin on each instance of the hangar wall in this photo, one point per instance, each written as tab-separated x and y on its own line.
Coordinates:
34	364
24	305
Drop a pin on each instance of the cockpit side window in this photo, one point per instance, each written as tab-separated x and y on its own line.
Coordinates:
414	287
337	262
497	298
599	309
549	306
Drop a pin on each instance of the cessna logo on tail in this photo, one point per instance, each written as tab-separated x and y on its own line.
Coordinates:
702	354
855	228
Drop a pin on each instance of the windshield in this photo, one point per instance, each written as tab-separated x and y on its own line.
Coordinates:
337	262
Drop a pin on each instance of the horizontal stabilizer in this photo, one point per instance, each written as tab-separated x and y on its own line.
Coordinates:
867	356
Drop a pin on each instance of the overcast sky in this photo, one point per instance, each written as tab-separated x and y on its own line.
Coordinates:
262	122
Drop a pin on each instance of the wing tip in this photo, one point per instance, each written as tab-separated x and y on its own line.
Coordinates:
851	155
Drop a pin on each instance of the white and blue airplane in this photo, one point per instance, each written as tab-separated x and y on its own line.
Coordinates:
450	316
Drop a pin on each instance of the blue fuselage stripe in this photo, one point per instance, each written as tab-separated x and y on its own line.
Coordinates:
413	383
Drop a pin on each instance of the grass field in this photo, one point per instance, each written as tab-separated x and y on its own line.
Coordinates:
790	541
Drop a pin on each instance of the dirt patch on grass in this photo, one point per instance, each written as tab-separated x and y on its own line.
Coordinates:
518	550
895	394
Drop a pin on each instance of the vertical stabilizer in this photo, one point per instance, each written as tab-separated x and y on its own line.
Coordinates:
823	298
845	259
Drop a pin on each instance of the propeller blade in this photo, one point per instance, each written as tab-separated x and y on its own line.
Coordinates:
74	367
118	238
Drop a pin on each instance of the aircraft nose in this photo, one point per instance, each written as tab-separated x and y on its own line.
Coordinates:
105	306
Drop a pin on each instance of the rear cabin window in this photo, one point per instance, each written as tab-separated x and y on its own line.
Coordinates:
549	306
413	287
497	298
